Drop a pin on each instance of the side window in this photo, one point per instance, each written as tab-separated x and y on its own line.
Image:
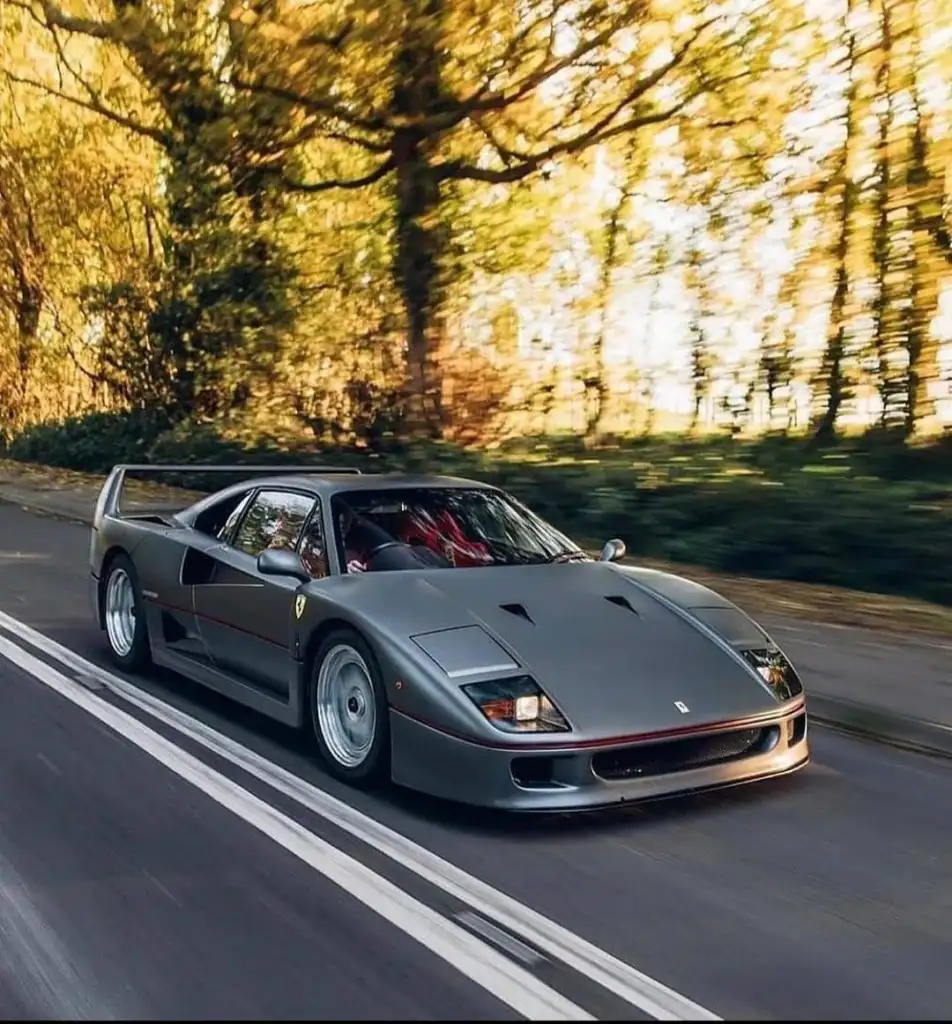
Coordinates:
227	528
274	520
313	549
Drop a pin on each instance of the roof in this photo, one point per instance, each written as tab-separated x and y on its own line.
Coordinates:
390	481
326	484
332	482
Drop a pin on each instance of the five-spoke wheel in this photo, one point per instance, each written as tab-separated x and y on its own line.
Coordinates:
349	707
122	615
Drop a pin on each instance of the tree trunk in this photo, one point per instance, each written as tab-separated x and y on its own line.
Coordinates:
596	383
418	251
700	373
884	319
649	377
29	307
924	195
25	254
832	370
702	365
420	235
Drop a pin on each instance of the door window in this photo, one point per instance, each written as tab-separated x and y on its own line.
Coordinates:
228	528
313	550
274	520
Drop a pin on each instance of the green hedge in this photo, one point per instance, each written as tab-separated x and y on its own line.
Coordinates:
851	516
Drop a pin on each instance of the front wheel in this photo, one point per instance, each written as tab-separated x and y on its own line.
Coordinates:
349	709
124	617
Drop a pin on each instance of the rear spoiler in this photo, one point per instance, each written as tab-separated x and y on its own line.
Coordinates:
108	503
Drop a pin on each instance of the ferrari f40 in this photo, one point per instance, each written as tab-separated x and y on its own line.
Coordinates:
438	633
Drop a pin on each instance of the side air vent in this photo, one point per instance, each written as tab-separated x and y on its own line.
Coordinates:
517	609
622	602
197	568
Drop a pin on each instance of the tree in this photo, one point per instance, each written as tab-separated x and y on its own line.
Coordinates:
434	93
61	188
24	269
216	317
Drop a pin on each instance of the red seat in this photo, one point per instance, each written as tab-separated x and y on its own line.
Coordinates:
442	535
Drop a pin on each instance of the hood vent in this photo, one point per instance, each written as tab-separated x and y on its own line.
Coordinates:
517	609
622	602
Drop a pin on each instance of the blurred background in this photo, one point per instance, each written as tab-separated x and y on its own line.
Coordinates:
671	271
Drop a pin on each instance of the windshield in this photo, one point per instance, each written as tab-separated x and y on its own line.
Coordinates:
437	527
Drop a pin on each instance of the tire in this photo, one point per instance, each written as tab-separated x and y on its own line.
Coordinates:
361	701
128	641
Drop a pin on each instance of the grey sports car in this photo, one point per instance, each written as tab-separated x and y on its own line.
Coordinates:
436	632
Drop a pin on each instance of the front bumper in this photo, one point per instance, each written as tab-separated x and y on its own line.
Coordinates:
588	777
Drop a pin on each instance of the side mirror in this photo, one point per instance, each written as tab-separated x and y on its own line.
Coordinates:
612	551
282	562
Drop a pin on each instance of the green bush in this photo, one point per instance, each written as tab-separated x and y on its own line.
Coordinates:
93	443
853	515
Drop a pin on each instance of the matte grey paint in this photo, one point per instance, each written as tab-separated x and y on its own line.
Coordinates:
614	646
465	652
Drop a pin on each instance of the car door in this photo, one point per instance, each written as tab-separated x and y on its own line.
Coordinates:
245	618
175	622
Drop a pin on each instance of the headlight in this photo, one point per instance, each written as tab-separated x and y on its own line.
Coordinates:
776	671
516	705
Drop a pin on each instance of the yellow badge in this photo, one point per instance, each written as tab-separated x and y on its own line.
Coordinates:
299	602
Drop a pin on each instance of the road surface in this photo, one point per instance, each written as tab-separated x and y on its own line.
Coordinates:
165	855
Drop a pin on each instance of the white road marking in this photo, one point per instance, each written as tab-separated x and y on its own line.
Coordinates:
479	962
636	988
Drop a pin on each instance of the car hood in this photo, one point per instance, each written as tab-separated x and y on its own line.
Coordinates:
614	655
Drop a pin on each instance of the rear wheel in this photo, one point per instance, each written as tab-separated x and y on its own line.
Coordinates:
123	615
349	709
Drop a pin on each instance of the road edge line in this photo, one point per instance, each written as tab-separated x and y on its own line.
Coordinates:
638	989
484	966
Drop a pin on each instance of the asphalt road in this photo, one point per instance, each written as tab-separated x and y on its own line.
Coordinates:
150	868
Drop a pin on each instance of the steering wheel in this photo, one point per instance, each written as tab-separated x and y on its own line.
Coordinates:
383	547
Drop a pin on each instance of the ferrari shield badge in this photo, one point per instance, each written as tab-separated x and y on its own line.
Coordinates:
299	602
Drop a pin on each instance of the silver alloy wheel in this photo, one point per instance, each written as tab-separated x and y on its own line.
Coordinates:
346	706
120	612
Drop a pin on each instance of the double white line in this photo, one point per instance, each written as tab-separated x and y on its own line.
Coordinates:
500	975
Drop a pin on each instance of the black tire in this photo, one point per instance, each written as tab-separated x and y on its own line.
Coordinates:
375	765
139	654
